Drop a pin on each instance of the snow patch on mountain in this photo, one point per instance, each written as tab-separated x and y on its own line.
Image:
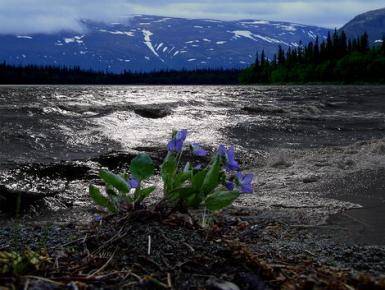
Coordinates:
128	33
147	41
75	39
23	36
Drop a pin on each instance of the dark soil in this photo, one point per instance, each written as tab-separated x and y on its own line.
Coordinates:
148	250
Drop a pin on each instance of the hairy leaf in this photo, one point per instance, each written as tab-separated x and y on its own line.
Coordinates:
100	199
142	167
115	180
220	199
211	180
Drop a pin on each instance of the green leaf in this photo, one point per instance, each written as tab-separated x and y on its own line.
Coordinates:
187	167
145	192
198	179
211	180
181	178
100	199
220	199
192	199
168	171
168	167
141	194
142	167
110	190
115	180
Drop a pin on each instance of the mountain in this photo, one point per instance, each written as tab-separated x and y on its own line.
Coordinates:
146	43
372	22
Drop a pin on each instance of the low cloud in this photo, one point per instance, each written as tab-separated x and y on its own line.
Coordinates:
50	16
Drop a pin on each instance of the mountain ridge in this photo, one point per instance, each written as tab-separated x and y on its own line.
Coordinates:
148	43
372	22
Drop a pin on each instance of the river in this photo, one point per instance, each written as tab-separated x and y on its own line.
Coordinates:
300	141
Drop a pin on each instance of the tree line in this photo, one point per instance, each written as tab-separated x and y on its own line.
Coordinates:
34	74
335	59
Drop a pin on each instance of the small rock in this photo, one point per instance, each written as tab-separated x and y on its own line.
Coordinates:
153	111
264	110
311	179
222	285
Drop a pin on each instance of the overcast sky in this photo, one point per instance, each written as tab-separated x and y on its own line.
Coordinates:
47	16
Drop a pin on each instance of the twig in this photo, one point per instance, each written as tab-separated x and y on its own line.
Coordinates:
149	246
189	246
175	242
104	266
349	287
44	279
72	242
116	237
26	285
169	284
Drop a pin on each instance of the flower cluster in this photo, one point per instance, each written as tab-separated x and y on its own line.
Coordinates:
213	186
241	182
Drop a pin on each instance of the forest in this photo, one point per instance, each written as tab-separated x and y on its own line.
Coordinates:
33	74
337	59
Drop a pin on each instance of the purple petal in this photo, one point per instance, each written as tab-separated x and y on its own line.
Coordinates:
181	135
230	185
232	165
231	154
248	178
171	145
178	146
198	167
246	188
98	218
222	150
133	183
197	150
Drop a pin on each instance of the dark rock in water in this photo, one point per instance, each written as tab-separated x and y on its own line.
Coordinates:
114	160
263	110
66	170
153	111
311	179
12	200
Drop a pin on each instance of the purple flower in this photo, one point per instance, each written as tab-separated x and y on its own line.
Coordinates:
98	218
176	143
198	167
230	185
198	150
245	182
133	183
229	155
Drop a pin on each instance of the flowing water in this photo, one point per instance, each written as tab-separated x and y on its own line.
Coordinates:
314	129
46	124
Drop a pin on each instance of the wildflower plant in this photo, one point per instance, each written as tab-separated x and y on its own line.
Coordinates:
213	186
124	189
193	187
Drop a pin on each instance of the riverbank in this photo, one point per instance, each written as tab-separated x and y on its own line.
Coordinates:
306	223
318	154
